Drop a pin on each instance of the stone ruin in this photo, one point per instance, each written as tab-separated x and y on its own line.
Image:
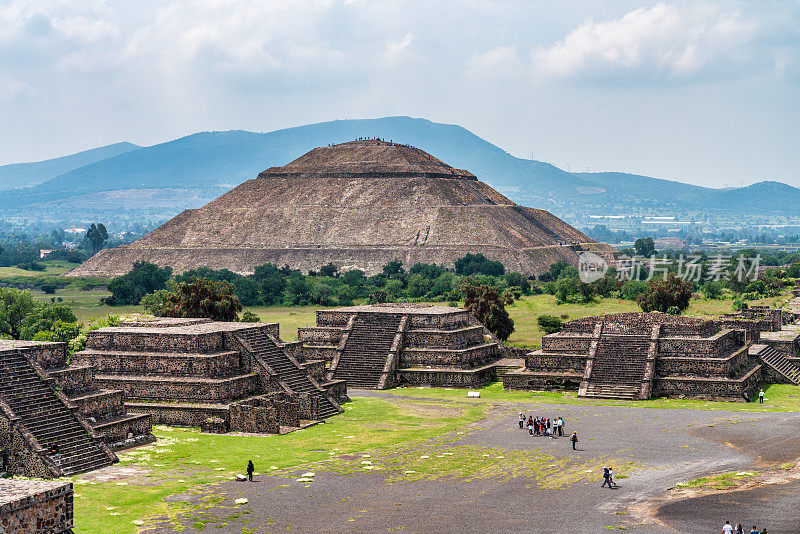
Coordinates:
644	355
41	506
47	400
219	376
383	345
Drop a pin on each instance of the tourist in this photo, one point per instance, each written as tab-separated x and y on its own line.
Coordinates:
537	428
521	420
530	425
560	426
727	528
755	530
250	469
611	477
574	439
761	396
764	530
606	477
739	529
55	450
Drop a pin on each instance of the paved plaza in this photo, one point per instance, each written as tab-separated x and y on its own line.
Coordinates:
651	451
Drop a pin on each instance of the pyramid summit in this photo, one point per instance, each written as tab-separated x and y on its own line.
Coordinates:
359	205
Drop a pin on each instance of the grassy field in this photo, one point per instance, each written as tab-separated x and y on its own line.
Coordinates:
52	268
87	307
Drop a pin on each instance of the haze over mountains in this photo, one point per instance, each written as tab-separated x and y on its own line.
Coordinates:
123	181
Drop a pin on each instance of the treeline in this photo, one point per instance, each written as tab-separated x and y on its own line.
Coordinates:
273	285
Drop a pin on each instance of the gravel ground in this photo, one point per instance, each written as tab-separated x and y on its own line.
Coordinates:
670	446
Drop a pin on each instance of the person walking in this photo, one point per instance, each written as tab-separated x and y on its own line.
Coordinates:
611	477
739	529
530	425
727	528
606	478
761	396
250	469
755	530
574	439
521	420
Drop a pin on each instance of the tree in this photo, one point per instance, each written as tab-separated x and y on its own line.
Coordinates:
250	317
661	295
329	269
97	235
393	269
549	324
354	278
644	246
322	294
428	270
486	304
247	290
478	264
142	279
15	305
44	317
418	285
202	298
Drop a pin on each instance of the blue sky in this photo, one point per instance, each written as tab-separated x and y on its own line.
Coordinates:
702	92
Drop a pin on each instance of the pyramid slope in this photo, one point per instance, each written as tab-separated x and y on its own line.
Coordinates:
358	205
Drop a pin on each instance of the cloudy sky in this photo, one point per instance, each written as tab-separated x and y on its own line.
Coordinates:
706	93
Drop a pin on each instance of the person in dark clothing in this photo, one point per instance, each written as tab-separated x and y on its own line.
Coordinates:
574	439
606	477
250	469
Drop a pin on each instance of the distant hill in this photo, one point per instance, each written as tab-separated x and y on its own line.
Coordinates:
158	181
27	174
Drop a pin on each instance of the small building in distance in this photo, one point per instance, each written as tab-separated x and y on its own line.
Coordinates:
219	376
644	355
383	345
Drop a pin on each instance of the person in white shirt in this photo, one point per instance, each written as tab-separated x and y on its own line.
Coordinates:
727	528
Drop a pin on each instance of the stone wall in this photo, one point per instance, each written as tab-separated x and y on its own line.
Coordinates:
716	346
462	359
73	380
452	339
447	378
188	389
47	354
316	368
727	367
528	380
117	431
43	507
320	335
572	344
540	361
155	341
179	414
710	388
219	364
101	404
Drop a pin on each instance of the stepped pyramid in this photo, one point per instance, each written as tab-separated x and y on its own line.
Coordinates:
359	205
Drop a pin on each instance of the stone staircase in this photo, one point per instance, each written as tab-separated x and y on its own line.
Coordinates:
289	371
47	417
368	347
777	361
618	367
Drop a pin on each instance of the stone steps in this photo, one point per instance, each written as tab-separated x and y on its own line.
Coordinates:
47	417
777	361
369	343
294	376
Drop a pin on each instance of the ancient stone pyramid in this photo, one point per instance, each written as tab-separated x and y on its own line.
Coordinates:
359	205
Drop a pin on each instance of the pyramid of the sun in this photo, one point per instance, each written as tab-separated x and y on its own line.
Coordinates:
359	205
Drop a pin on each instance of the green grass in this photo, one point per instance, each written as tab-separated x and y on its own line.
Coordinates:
183	459
52	268
778	398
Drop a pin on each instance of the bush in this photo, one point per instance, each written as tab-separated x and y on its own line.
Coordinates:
142	279
662	295
549	324
249	317
202	298
31	266
49	289
478	264
47	318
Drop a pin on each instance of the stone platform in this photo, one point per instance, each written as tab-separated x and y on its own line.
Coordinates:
643	355
382	345
197	372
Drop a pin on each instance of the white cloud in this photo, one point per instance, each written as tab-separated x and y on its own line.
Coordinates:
502	60
666	40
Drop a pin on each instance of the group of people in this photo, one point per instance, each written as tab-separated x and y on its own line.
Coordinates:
543	426
729	529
